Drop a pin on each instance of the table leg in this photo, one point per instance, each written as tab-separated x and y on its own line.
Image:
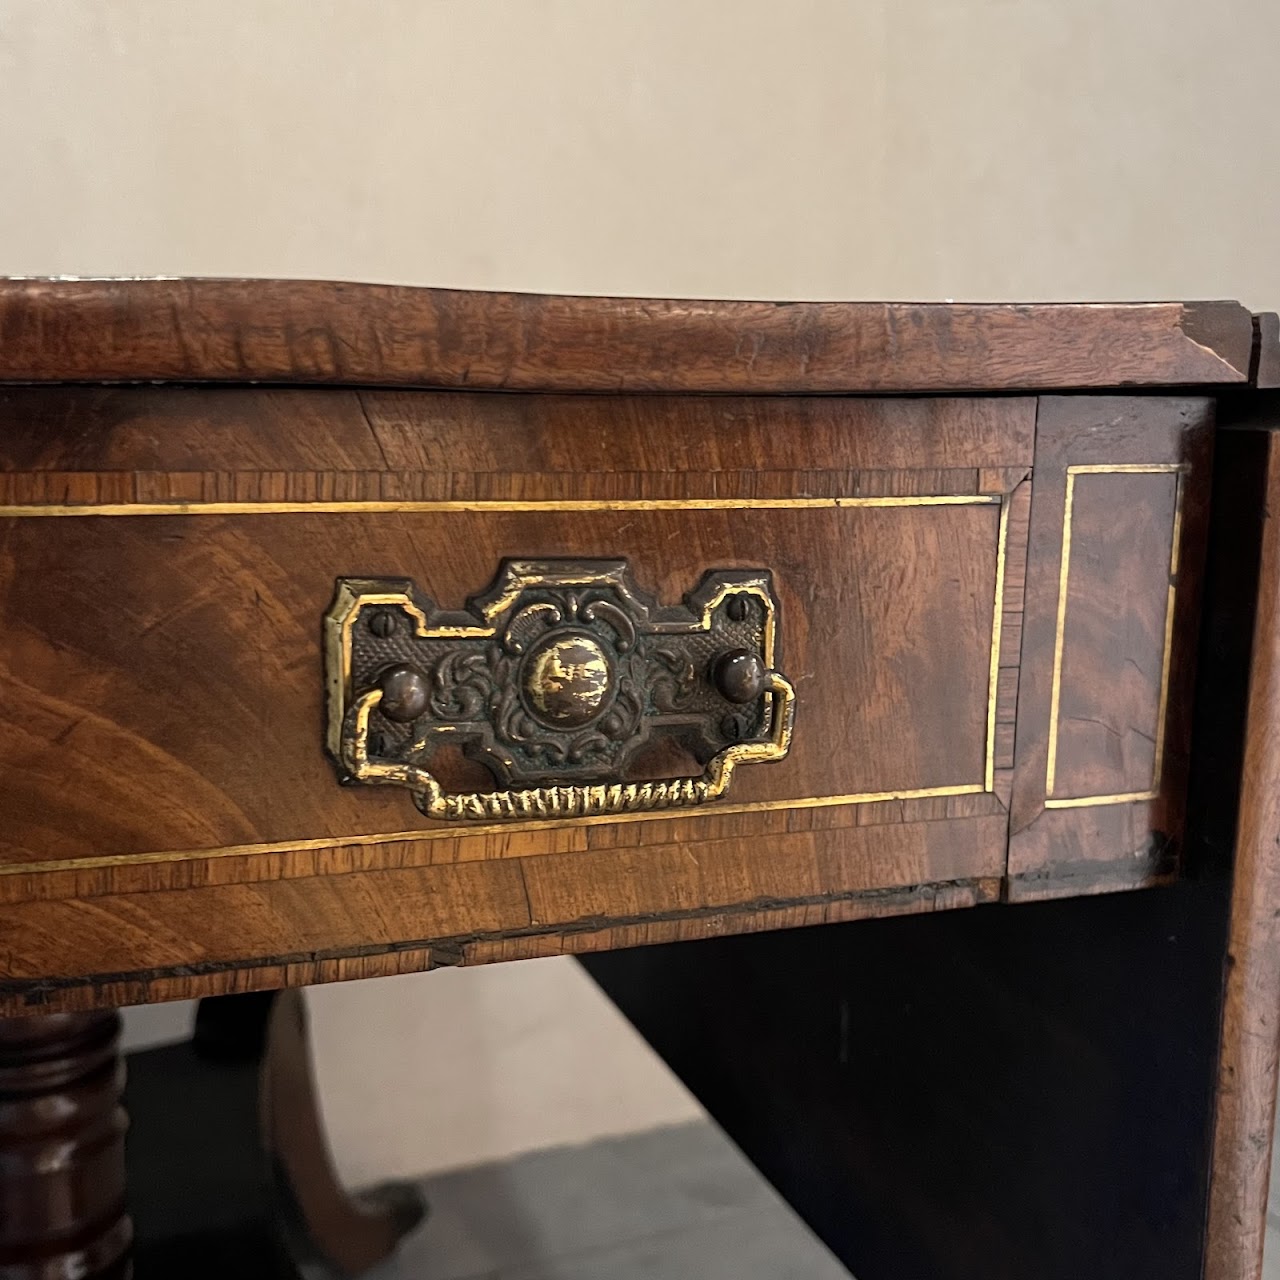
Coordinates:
335	1232
229	1169
1250	1053
62	1169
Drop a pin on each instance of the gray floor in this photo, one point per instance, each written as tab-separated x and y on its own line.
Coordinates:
677	1203
674	1204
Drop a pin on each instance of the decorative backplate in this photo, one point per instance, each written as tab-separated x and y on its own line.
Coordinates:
555	678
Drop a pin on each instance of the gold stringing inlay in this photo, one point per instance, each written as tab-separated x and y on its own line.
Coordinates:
394	506
989	773
480	831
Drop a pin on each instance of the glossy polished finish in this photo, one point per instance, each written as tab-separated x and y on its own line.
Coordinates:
927	498
62	1183
405	694
740	675
942	625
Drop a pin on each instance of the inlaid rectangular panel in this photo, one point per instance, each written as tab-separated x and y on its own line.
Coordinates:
1113	638
1111	628
164	674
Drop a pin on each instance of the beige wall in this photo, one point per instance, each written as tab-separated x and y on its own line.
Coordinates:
762	148
788	148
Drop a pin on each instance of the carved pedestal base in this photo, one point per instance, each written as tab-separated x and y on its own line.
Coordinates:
229	1171
62	1164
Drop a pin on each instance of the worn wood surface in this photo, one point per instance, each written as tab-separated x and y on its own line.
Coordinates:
62	1172
375	955
319	332
1122	491
307	444
167	765
199	931
1250	1052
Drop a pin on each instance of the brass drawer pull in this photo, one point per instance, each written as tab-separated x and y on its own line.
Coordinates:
556	679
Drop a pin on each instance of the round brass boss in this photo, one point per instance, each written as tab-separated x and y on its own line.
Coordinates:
567	681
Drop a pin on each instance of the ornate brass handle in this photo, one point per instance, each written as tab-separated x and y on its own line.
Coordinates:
556	678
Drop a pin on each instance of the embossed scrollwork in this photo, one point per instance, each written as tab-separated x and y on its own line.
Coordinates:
555	679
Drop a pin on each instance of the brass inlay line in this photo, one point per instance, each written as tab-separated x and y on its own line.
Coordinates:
1126	468
997	620
1167	657
1178	470
394	506
492	829
1081	802
1055	695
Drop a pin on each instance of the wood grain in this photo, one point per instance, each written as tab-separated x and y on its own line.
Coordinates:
582	937
190	719
1250	1053
170	826
322	332
1111	656
460	444
214	618
274	973
216	939
1112	669
1009	657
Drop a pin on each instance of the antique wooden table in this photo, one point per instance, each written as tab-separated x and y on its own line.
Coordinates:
353	630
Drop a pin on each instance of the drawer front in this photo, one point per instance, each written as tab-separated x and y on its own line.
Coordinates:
165	566
167	557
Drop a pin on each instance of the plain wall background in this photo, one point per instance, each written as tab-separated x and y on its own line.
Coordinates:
917	149
975	149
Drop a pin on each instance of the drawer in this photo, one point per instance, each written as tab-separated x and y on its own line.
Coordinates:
988	622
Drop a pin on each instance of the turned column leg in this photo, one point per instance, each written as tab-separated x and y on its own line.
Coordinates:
62	1178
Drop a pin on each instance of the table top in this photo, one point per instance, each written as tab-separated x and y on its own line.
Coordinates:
321	332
